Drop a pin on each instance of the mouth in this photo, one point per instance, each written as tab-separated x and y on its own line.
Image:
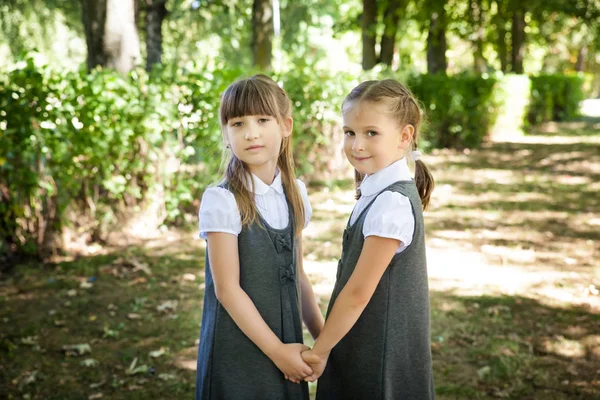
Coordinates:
361	158
254	147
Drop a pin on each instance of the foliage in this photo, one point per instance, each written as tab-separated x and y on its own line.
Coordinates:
52	26
316	97
460	110
101	144
555	98
102	147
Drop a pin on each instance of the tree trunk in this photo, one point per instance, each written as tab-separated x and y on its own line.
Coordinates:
499	26
479	61
502	49
111	34
518	41
391	16
94	18
581	56
369	31
436	42
155	15
262	33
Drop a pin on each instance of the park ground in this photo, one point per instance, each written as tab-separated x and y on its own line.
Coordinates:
513	236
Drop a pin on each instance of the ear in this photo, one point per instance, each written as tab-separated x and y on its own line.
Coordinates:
406	136
288	126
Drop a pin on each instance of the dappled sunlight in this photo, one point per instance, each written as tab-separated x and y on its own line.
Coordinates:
563	347
322	276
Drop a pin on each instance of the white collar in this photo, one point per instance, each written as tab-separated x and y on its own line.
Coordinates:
262	188
378	181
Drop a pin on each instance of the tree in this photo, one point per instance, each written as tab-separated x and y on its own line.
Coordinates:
111	34
499	22
478	19
369	34
155	14
436	37
262	33
391	19
518	40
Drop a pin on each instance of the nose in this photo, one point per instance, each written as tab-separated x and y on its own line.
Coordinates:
252	132
358	144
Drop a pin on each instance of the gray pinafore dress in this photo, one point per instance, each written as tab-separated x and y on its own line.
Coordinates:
230	365
387	353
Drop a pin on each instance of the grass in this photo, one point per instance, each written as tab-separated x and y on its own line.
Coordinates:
514	259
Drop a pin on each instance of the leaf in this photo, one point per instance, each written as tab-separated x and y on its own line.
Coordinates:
28	379
189	277
483	372
157	353
77	349
167	377
134	316
30	340
133	370
95	396
167	306
97	385
90	362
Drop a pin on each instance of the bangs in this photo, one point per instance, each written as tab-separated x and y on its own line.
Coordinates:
246	97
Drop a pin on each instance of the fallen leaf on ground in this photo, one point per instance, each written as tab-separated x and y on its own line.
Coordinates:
167	377
89	362
169	305
29	340
157	353
77	349
133	370
97	385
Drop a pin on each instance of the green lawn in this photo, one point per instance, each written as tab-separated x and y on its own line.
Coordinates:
514	255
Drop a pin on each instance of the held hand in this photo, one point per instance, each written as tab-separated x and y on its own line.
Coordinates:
289	360
317	363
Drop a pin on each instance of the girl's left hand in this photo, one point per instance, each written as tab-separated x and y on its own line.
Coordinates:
316	362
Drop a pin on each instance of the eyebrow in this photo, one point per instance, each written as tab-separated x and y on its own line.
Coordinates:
372	127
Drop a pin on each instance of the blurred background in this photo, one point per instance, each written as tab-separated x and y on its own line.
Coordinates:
109	135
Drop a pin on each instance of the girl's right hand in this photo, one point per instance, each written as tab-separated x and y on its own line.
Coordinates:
288	358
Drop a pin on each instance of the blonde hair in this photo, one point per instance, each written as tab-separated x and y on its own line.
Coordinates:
402	106
259	95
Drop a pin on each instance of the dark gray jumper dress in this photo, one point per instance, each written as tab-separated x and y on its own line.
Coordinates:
230	365
387	353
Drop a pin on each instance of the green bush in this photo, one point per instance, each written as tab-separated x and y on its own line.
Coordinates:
102	146
554	98
459	110
317	99
88	151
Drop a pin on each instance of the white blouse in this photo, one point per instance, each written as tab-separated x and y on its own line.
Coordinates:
391	215
219	211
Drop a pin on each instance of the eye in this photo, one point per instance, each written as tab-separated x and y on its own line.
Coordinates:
349	133
236	124
263	120
371	133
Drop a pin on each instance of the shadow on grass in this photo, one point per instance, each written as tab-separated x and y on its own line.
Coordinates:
585	126
135	322
513	347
